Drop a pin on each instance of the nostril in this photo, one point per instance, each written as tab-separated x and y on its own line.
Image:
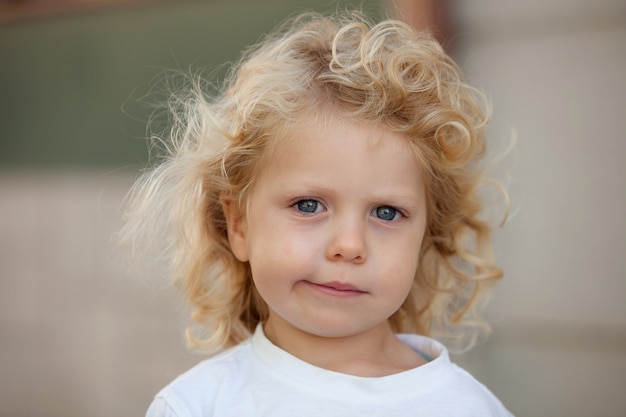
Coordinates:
356	259
359	259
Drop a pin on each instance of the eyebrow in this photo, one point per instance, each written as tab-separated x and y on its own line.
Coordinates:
391	196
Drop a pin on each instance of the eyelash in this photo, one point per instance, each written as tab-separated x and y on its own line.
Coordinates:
397	214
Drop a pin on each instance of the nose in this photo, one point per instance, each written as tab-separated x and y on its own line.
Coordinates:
347	242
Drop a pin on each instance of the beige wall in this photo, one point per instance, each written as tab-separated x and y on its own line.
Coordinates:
556	73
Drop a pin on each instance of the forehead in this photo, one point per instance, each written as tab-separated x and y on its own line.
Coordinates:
325	123
337	149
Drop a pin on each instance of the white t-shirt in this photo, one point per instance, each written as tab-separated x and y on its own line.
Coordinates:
257	378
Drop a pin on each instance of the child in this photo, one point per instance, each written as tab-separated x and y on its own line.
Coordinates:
321	216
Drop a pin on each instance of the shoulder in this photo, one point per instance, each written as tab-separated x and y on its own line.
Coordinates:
451	387
469	392
195	392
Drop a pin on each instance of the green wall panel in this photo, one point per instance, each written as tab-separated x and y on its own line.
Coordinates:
72	87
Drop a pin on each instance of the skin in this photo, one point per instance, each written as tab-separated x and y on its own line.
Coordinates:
332	233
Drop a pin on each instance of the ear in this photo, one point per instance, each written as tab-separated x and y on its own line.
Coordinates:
236	228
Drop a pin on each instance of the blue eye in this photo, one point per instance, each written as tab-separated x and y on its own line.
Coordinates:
307	206
386	213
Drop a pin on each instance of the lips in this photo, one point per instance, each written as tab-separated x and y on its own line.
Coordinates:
337	289
339	286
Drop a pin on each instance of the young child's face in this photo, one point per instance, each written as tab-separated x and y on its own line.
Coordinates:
334	228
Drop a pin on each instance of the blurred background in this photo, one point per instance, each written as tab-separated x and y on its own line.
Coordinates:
82	336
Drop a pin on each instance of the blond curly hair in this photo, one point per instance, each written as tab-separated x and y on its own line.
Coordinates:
385	73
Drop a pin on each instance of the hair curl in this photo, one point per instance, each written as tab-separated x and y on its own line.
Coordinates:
386	74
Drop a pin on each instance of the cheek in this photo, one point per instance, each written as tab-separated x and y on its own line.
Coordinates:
282	251
296	239
404	274
292	247
404	266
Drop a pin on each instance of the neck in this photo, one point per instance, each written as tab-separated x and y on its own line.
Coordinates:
373	353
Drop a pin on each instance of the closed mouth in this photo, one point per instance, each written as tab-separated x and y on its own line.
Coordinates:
341	289
340	286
